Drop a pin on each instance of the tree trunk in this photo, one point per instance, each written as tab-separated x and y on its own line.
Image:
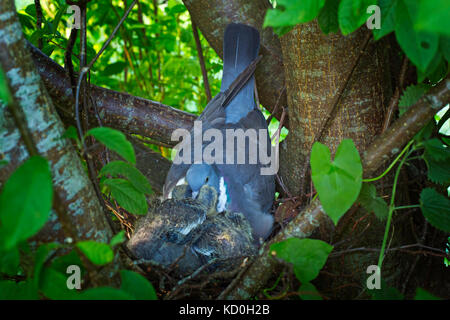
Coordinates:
70	181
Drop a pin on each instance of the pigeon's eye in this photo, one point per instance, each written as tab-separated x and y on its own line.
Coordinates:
207	179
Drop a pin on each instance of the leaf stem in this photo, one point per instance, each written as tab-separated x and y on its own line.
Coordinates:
407	207
392	205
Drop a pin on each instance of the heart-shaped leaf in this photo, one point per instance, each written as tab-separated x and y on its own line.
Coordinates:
307	255
338	183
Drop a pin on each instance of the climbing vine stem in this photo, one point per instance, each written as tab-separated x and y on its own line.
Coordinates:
392	207
391	165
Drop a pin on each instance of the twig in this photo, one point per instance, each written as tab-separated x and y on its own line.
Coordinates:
275	109
68	58
180	283
394	100
415	245
38	7
201	60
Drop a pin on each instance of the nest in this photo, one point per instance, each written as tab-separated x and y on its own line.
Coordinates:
187	238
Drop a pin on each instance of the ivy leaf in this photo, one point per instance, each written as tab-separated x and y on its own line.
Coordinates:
387	10
433	16
307	255
371	202
308	291
114	140
25	201
99	253
436	209
422	294
137	286
328	17
137	179
292	12
411	95
338	183
419	46
352	14
127	196
436	150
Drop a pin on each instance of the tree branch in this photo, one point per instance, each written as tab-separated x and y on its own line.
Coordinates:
118	110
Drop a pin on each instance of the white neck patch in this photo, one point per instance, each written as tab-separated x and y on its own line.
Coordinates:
221	204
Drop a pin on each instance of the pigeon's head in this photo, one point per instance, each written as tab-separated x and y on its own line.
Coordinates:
199	175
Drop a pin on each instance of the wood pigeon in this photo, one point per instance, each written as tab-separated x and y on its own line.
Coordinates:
240	186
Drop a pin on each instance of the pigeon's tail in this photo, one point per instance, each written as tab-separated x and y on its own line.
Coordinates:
240	48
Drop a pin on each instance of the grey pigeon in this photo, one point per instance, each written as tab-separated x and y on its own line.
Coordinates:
241	187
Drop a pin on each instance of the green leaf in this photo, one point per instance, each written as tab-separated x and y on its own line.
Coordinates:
411	95
25	201
338	183
436	209
127	196
70	133
438	171
137	286
352	14
120	168
436	150
53	285
371	202
24	290
42	254
5	95
117	239
444	45
307	255
328	17
433	16
308	291
99	253
292	12
114	68
422	294
9	261
419	46
387	10
114	140
385	293
105	293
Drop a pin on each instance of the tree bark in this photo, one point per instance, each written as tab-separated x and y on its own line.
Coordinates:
316	66
117	110
70	182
